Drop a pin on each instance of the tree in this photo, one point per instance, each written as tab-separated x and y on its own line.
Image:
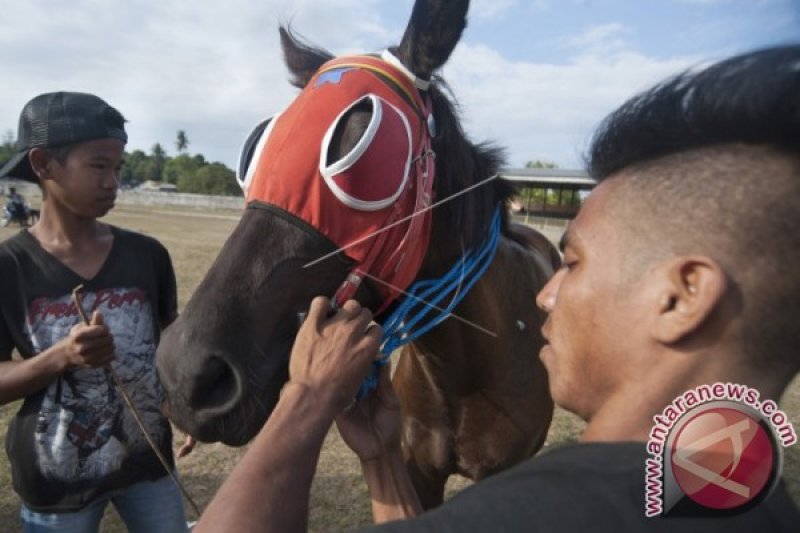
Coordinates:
159	159
134	171
214	178
538	163
181	142
7	148
182	165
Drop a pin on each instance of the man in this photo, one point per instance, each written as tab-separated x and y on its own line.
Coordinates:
15	208
680	271
74	446
14	197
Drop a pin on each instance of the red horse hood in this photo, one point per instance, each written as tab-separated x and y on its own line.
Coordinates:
384	179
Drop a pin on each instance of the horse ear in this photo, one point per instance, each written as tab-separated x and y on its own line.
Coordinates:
433	31
302	59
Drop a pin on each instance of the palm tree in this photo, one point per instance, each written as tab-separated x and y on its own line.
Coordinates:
181	141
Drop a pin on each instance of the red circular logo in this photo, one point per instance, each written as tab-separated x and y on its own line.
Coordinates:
723	457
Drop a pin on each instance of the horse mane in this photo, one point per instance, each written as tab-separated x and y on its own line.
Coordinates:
459	162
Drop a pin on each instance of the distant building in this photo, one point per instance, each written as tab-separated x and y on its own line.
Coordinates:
548	192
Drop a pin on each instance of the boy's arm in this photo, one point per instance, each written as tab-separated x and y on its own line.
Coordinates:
19	379
85	346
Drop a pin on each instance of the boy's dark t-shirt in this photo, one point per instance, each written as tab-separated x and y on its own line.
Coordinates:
76	438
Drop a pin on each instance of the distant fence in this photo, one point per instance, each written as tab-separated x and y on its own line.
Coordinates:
135	197
552	182
33	194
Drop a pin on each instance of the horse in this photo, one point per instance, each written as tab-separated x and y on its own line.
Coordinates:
474	395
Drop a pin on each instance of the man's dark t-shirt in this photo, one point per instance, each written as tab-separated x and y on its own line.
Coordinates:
583	487
76	438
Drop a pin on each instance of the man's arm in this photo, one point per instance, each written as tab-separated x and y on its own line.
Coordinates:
390	489
85	346
372	430
269	488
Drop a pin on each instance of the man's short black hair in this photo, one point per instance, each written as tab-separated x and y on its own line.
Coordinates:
752	98
709	163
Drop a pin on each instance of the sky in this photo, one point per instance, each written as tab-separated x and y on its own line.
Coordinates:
532	76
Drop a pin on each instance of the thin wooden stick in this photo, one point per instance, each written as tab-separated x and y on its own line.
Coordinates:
77	297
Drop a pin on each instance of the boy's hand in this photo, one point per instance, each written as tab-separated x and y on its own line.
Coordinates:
186	448
332	355
89	346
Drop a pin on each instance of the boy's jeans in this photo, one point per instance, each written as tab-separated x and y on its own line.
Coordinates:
146	507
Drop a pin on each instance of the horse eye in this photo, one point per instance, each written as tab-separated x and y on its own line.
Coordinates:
349	130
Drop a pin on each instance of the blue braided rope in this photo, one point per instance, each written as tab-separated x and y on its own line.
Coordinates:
407	323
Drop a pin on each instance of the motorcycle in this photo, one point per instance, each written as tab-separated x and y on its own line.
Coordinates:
16	212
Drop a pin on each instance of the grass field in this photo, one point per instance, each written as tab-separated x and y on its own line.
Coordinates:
339	498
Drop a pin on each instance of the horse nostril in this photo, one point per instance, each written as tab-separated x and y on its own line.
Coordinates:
216	388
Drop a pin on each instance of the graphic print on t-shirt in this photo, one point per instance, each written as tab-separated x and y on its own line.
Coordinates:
84	431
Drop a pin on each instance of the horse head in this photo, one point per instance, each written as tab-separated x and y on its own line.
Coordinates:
369	141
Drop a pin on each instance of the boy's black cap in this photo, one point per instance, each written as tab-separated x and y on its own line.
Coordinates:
57	119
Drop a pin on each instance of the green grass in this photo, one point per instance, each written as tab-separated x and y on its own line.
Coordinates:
339	497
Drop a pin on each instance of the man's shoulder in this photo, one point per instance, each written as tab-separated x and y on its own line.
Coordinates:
597	487
595	456
584	460
601	475
571	488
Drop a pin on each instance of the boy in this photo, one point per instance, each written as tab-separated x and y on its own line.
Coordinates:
74	446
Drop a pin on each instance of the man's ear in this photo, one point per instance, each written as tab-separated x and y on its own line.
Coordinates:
692	287
40	162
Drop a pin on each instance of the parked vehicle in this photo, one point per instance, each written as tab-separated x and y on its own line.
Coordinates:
17	210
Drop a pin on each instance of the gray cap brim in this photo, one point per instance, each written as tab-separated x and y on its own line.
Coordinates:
19	167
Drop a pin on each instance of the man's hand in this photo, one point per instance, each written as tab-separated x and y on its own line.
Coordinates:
88	346
372	430
332	356
372	427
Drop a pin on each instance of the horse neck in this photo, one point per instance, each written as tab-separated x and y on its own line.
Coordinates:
502	306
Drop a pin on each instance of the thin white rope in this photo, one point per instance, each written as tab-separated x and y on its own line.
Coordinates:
390	226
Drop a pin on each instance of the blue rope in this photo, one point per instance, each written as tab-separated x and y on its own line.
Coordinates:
406	324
